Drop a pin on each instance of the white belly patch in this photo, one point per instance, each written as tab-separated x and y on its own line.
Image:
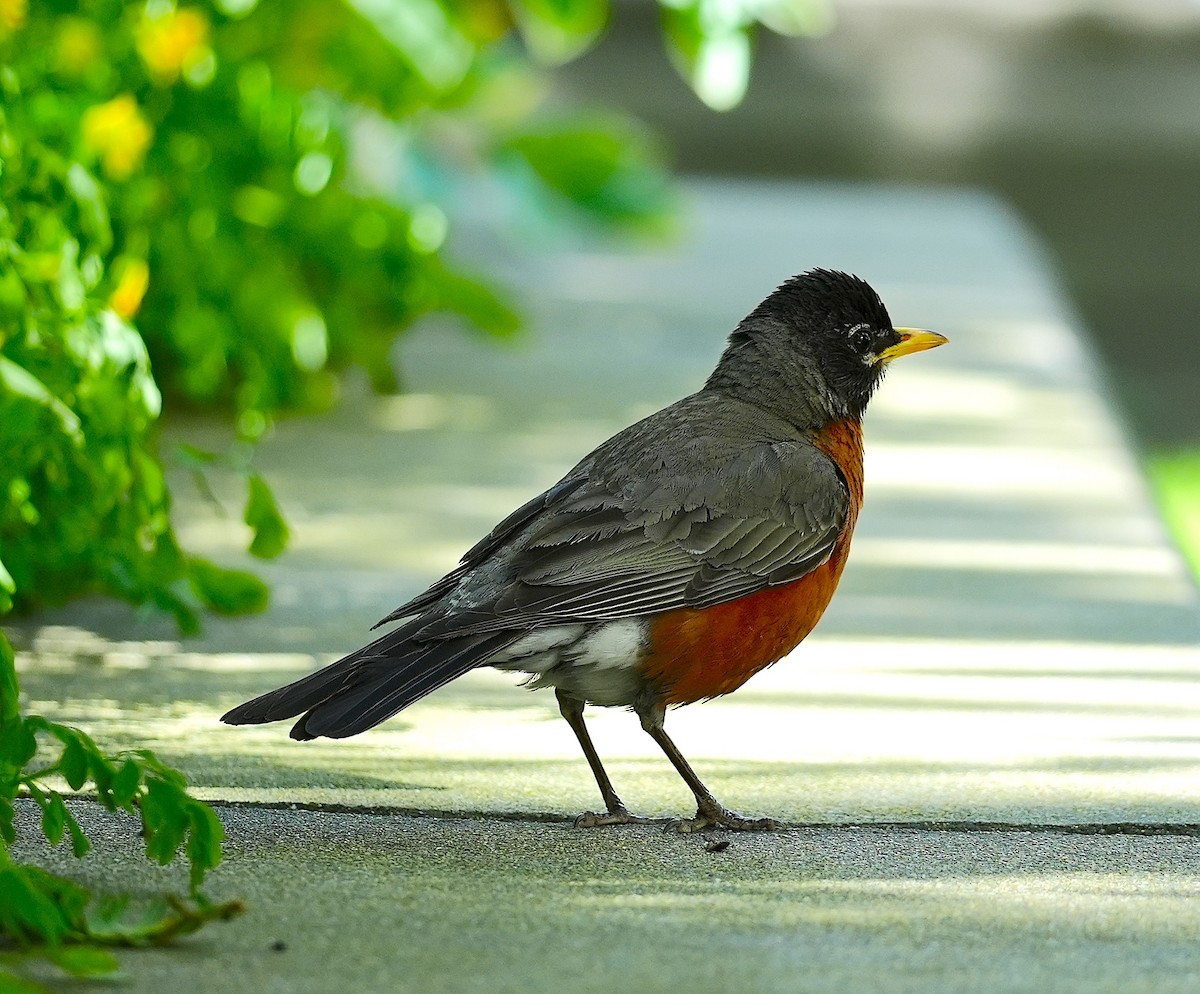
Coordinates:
539	650
597	663
615	644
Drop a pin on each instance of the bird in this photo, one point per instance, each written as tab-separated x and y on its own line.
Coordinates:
677	559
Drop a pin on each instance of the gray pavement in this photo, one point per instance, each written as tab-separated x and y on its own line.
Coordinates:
363	902
1014	642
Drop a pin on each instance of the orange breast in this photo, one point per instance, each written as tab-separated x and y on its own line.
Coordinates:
698	654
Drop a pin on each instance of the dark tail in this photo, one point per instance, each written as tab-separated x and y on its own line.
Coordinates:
371	684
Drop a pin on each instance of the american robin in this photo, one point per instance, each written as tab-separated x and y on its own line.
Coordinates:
678	559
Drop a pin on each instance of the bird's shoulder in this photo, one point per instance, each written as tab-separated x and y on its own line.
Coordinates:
712	451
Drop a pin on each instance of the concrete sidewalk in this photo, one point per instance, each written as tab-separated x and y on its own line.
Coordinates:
1014	642
393	903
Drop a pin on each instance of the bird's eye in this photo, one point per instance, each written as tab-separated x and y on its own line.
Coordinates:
861	337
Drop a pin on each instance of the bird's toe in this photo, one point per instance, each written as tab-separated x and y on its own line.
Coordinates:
620	816
722	818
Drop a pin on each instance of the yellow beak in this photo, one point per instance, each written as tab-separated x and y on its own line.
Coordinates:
912	340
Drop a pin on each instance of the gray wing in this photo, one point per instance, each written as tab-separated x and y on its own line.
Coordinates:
701	503
710	523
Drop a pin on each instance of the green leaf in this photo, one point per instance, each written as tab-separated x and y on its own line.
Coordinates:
22	383
93	214
37	907
83	960
151	476
1175	478
18	744
271	532
10	983
54	817
12	299
109	920
106	913
81	758
559	30
798	18
194	458
204	842
604	165
7	831
79	842
74	762
126	782
423	34
150	763
164	819
10	711
101	772
227	591
170	599
721	71
8	587
475	301
710	43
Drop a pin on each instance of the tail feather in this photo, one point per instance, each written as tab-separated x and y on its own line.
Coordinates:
300	695
383	685
369	685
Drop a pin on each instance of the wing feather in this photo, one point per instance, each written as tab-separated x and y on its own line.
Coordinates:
690	515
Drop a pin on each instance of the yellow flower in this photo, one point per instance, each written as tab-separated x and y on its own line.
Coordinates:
131	288
172	42
77	46
117	132
12	15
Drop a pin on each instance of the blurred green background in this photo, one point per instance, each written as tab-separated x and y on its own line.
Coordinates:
184	220
226	204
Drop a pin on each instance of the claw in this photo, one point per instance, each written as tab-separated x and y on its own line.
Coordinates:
620	816
721	818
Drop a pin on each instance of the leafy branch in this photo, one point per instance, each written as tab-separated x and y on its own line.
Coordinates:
49	916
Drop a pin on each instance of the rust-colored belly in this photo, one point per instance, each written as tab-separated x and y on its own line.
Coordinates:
698	654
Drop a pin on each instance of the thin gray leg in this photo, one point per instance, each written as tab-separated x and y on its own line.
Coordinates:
571	708
709	811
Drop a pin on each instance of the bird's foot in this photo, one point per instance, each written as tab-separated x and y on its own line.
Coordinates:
619	815
719	817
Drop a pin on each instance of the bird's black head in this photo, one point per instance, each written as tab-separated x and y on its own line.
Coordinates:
816	348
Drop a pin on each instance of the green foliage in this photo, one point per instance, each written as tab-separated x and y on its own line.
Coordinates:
83	501
559	30
710	40
136	782
598	163
223	131
1175	477
48	915
271	531
188	167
